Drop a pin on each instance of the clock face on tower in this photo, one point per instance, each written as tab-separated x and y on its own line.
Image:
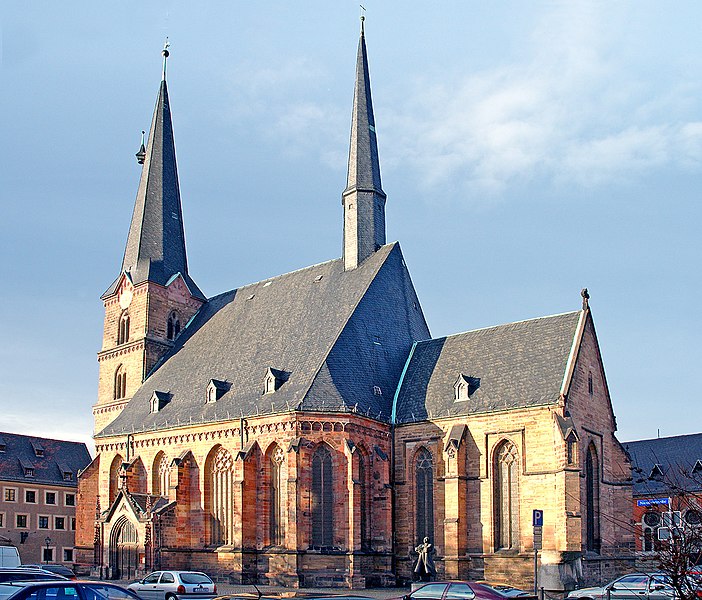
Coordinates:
125	298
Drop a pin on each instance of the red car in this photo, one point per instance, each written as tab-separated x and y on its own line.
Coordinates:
462	590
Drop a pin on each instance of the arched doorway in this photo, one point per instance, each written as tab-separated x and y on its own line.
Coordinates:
123	550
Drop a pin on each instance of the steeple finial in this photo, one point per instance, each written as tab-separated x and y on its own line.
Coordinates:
165	54
363	18
363	199
586	298
141	155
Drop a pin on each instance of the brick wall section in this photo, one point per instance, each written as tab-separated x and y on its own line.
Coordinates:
87	494
148	312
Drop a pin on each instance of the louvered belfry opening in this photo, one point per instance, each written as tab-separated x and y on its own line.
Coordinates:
424	477
506	478
322	499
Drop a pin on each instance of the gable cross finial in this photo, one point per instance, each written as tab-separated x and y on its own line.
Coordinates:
586	297
165	54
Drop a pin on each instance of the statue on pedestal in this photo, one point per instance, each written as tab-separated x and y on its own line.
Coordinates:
425	569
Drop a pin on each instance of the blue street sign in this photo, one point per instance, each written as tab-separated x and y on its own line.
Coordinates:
538	518
651	501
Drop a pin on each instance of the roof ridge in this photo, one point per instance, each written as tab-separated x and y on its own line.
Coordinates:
40	437
669	437
453	335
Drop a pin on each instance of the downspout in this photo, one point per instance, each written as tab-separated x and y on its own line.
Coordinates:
393	419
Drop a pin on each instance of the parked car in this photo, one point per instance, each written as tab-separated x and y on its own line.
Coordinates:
636	586
55	568
174	585
456	590
28	574
507	591
64	590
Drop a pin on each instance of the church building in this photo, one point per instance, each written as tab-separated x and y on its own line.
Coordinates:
307	430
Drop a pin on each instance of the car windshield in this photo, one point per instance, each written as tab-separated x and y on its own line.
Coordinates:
194	578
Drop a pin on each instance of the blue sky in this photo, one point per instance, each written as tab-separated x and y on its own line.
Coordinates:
527	149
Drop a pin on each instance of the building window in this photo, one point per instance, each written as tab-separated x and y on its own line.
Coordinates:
276	500
506	482
21	521
73	523
590	386
322	498
120	383
29	471
50	497
70	499
30	497
10	494
123	333
43	522
68	555
2	519
59	522
47	555
424	478
592	500
67	476
173	327
365	505
221	491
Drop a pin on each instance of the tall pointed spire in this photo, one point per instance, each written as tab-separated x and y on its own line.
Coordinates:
156	243
363	199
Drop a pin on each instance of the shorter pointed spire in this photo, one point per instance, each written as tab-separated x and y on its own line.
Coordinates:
141	155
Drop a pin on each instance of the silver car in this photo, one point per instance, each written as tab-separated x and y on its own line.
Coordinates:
637	586
174	585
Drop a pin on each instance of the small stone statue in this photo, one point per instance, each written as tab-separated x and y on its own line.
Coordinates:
425	569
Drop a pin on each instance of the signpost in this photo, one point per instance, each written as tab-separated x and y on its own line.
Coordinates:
537	520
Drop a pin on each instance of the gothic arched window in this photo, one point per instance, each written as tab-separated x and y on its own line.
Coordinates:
277	523
164	476
592	500
120	389
365	504
506	486
173	328
220	475
424	478
123	331
322	498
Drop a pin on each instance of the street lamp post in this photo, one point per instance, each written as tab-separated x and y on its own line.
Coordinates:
47	541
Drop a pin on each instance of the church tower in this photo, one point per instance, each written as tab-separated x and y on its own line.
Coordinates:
363	199
154	297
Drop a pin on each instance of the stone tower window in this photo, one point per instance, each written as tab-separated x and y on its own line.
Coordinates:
123	331
173	326
120	389
506	482
592	500
424	484
322	499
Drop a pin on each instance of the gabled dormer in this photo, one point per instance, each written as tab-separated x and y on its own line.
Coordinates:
215	390
273	379
158	401
464	386
697	467
38	449
656	472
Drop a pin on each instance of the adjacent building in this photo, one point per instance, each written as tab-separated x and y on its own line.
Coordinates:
307	429
38	483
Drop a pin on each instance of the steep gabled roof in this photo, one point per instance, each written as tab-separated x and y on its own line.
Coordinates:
513	366
674	457
59	456
320	324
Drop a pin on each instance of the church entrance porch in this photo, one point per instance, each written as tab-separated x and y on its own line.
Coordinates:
123	551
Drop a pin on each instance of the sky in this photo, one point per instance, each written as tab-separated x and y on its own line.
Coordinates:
528	150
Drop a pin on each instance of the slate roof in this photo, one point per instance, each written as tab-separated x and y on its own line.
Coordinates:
337	333
155	249
676	455
513	366
59	456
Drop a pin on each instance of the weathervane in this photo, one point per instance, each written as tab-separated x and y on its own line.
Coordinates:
363	16
165	54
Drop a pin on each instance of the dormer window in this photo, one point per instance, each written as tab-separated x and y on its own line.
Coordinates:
377	390
173	326
697	468
29	471
3	447
464	387
38	450
273	379
215	390
123	331
656	472
67	476
159	400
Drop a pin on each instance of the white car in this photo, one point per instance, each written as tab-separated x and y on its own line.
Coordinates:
174	585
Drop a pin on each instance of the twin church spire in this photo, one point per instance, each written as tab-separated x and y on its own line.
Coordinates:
155	248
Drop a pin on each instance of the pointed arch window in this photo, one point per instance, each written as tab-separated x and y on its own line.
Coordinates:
365	505
277	524
123	330
221	475
322	498
506	495
592	500
164	476
120	387
173	326
424	478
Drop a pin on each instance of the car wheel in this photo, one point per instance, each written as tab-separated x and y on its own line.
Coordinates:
171	597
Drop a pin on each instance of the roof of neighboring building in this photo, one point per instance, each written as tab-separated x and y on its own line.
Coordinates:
511	366
675	457
59	457
338	334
